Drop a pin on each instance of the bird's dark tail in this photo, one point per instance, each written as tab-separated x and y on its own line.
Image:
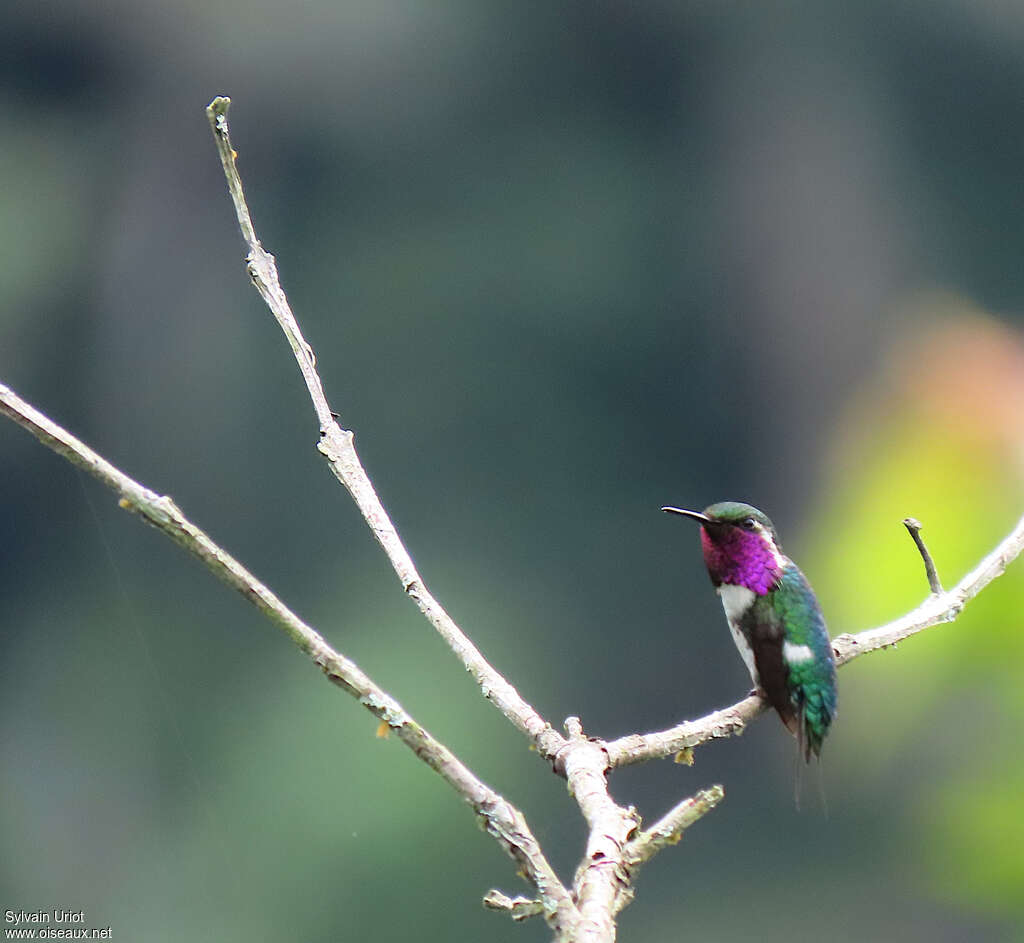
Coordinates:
806	745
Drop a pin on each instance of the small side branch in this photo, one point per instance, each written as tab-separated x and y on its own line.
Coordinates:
518	908
336	444
668	830
914	527
499	818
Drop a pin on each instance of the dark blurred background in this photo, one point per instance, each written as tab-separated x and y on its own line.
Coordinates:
562	263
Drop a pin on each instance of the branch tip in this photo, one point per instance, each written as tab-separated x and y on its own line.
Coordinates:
219	106
913	526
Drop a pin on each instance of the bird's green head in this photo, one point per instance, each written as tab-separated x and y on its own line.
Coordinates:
745	516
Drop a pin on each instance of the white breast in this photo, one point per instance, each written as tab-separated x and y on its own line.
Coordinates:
736	600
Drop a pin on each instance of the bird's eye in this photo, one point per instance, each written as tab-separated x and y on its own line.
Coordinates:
748	523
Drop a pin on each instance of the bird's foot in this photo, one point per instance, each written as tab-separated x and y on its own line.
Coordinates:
757	692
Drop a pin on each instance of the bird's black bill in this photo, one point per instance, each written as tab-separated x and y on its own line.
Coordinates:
694	515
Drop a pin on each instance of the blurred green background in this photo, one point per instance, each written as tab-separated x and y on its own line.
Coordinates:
562	263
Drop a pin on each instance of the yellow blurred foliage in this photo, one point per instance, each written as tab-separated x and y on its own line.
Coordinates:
938	434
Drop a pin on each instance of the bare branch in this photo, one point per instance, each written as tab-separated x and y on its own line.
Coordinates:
943	607
337	446
913	525
670	827
727	722
499	817
730	721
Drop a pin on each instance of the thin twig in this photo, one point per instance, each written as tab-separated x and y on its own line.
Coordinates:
518	908
914	527
670	827
499	817
730	721
337	446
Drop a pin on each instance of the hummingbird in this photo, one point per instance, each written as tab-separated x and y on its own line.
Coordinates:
774	618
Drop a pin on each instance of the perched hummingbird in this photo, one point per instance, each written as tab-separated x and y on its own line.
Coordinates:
774	617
